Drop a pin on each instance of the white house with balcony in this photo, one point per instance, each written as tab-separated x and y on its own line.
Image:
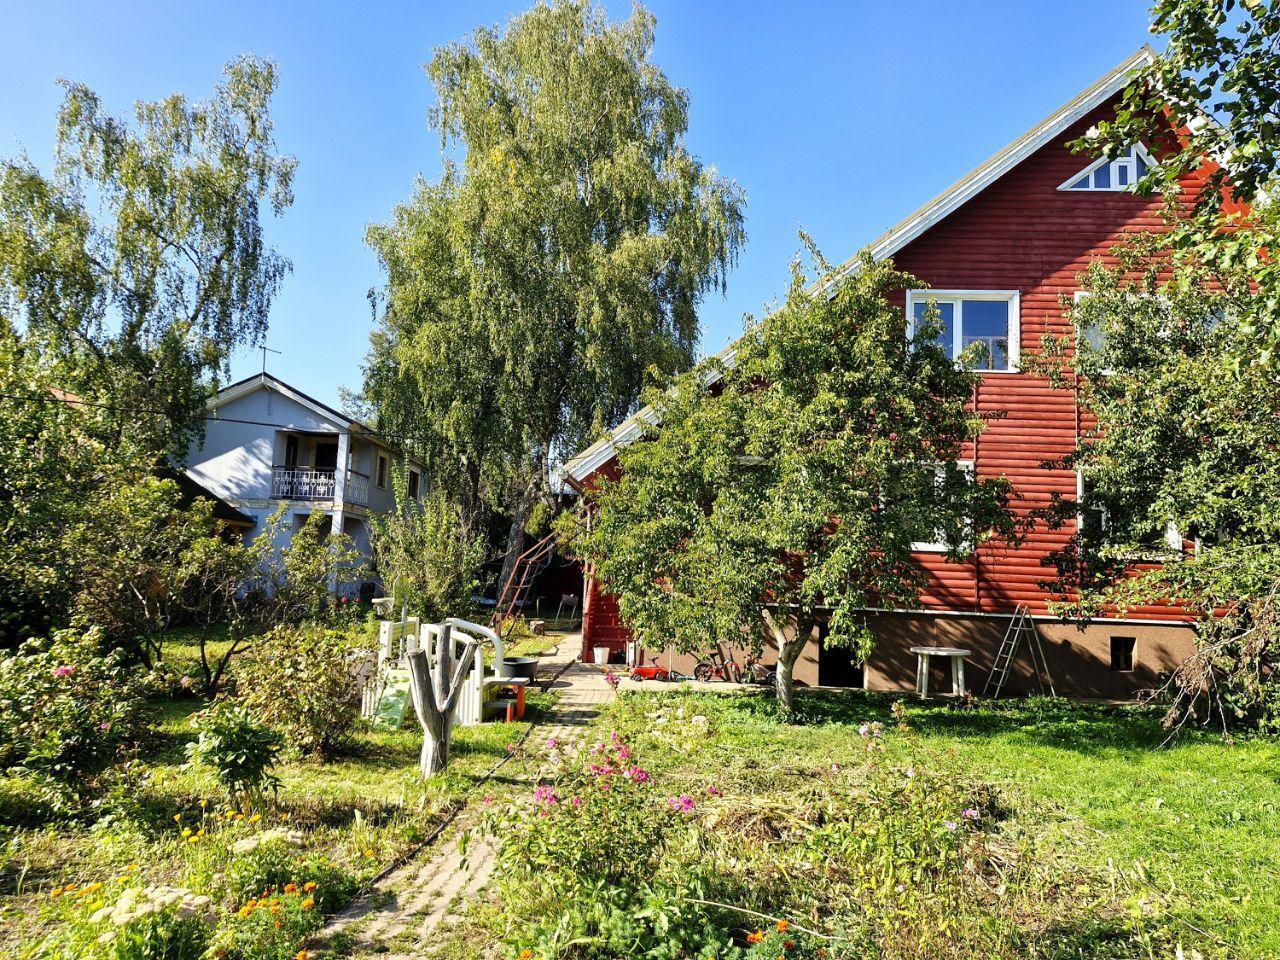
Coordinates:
267	444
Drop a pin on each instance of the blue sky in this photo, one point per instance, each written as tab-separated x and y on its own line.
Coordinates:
838	118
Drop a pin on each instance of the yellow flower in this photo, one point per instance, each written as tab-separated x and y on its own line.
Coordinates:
526	955
784	925
177	818
303	955
204	803
186	832
132	867
309	886
55	892
307	904
368	853
256	817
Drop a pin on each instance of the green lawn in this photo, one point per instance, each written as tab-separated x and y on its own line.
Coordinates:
1194	825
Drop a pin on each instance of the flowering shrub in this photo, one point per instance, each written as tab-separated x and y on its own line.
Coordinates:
238	749
272	860
583	861
140	923
302	685
600	821
273	924
68	712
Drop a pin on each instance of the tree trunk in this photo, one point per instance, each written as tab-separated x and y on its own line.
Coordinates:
789	650
515	537
435	697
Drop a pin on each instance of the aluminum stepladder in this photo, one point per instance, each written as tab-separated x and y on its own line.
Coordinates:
1021	628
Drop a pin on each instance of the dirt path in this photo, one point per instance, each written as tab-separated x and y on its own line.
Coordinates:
402	914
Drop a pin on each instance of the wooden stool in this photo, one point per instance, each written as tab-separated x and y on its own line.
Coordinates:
956	656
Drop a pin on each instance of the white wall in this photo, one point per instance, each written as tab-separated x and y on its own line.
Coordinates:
235	459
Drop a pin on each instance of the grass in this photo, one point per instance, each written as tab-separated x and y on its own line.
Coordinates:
364	809
1194	823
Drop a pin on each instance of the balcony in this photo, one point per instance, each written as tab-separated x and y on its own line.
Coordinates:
308	483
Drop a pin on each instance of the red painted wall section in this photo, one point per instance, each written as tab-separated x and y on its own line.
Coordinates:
1022	234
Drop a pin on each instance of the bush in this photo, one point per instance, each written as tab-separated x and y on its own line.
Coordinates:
272	925
238	749
302	685
68	712
272	860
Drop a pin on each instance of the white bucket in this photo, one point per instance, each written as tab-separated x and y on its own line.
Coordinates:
602	655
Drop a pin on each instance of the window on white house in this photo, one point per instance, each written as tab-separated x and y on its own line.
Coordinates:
413	484
984	322
381	478
936	541
1113	175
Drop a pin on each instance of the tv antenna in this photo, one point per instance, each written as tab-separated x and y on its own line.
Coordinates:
265	350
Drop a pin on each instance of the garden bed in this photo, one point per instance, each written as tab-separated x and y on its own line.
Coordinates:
1074	833
169	824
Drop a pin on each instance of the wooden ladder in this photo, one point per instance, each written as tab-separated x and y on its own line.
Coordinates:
1020	627
527	568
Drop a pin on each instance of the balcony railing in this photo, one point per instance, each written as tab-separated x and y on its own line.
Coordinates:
357	489
308	483
302	483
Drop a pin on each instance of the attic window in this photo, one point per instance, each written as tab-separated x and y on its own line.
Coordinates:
1104	175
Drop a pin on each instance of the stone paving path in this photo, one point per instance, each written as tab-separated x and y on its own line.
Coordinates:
400	915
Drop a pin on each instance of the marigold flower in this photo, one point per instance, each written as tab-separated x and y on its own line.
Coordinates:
784	926
309	886
303	955
290	888
526	955
788	944
307	904
755	937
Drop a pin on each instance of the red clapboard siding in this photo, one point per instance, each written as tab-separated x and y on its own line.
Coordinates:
1023	234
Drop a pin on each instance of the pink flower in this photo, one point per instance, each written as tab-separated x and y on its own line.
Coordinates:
552	743
682	804
576	802
970	814
951	825
545	794
511	748
714	791
637	775
104	726
488	800
612	679
63	671
864	730
185	683
623	752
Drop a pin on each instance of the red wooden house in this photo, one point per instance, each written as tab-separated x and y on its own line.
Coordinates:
999	249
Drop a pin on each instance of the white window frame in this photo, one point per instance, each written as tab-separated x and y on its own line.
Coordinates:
926	546
1075	327
1122	161
957	297
1173	539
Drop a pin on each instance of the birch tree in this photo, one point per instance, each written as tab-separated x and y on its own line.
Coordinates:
562	254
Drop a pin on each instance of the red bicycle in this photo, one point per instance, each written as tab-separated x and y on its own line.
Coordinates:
718	667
